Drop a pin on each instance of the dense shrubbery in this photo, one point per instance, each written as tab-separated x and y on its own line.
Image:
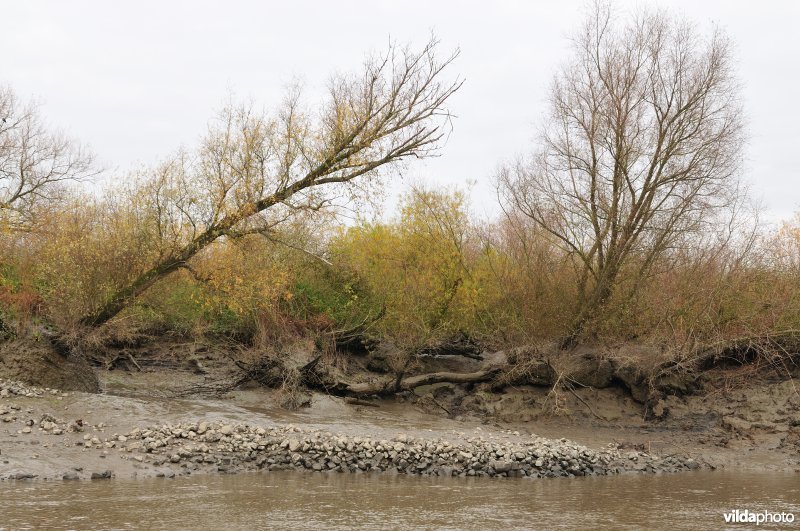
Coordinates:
627	223
430	275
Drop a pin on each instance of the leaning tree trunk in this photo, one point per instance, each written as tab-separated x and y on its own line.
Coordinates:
395	111
123	297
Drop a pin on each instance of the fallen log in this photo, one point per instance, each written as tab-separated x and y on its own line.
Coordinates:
135	364
388	386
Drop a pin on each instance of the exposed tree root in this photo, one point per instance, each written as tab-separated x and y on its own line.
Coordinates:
389	386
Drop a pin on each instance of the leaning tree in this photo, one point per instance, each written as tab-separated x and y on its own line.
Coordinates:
256	170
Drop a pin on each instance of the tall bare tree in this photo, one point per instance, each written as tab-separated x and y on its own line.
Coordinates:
254	171
35	162
641	149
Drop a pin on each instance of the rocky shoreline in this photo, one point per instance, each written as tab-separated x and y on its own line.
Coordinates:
183	448
233	448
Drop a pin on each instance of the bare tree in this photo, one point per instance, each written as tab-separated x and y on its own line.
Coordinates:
641	149
35	163
255	171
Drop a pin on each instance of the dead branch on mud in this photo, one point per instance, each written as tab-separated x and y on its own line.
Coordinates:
388	386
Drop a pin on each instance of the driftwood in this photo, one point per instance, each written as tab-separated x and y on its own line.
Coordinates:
388	386
674	377
133	360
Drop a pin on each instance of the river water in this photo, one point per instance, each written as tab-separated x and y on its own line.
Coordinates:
296	500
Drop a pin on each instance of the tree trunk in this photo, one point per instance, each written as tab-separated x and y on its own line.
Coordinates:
388	386
395	112
123	297
590	307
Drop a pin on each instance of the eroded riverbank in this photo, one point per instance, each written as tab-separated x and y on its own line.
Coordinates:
48	434
42	439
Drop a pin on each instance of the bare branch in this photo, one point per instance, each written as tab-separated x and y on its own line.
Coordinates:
35	163
641	151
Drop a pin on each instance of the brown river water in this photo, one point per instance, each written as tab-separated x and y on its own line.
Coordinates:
296	500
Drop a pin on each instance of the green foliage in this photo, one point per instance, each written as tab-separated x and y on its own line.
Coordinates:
419	269
323	293
431	274
9	278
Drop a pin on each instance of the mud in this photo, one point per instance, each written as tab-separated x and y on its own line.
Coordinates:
48	434
76	435
35	361
740	418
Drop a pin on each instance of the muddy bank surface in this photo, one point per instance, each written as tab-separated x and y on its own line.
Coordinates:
37	362
154	417
438	430
127	437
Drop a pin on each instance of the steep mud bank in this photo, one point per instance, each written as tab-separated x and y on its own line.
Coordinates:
48	434
731	417
35	361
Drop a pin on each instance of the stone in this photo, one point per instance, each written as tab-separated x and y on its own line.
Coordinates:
166	473
501	466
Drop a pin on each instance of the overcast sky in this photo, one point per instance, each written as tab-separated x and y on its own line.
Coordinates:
135	81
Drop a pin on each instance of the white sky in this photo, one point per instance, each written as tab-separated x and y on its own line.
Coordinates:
135	81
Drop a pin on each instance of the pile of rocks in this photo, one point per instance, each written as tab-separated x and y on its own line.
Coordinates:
10	388
45	424
234	448
12	412
183	448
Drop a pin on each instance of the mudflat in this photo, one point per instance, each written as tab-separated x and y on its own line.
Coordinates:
127	432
